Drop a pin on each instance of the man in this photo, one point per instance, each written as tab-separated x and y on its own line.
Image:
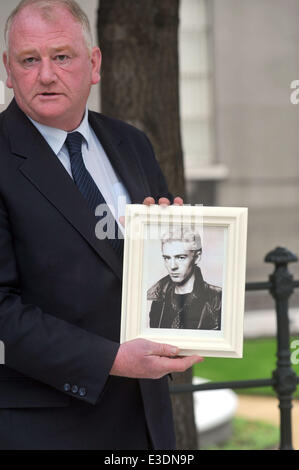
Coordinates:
183	299
67	383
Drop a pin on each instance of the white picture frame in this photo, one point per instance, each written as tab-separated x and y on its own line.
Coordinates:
223	238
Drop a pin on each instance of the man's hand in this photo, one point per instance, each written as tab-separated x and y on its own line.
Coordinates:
150	201
142	359
163	201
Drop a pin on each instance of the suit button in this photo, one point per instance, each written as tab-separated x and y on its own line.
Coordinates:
82	392
66	387
75	389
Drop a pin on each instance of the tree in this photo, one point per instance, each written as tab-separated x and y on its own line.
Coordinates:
140	85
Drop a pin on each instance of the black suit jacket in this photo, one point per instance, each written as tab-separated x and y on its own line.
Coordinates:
60	298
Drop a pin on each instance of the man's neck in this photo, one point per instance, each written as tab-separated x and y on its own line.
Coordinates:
60	123
187	287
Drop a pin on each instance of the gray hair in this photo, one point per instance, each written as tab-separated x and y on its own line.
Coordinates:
183	234
46	8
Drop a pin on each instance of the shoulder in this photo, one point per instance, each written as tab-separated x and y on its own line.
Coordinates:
121	128
3	130
214	294
215	290
137	147
2	118
4	135
158	290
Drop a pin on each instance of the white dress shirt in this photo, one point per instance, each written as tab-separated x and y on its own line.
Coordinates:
95	159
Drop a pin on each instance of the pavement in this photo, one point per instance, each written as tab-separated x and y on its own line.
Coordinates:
262	323
266	409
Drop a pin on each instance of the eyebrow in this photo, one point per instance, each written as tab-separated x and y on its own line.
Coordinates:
176	256
62	48
52	49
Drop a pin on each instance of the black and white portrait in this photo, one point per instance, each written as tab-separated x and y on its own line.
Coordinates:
183	298
184	278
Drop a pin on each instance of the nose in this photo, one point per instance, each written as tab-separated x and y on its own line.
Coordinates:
47	73
173	264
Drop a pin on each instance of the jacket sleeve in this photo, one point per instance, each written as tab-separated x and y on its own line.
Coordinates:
155	313
42	346
216	301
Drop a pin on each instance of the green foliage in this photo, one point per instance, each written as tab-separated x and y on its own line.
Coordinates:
259	361
250	435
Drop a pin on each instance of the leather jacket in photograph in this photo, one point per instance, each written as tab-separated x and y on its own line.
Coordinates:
200	309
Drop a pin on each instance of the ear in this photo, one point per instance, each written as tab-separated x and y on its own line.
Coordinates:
96	62
8	71
197	256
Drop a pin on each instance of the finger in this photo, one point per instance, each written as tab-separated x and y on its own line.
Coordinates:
163	201
161	349
149	201
122	220
178	201
180	364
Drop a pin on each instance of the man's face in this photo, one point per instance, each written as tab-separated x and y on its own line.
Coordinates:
179	260
50	67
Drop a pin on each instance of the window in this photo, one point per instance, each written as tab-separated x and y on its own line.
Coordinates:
196	101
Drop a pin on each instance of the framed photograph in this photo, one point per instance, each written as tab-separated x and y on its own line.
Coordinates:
184	277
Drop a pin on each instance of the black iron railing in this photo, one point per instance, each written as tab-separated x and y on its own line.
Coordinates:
284	380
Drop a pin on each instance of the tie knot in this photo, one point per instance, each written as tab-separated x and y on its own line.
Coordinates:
74	142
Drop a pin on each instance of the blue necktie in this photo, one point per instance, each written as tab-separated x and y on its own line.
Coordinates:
86	184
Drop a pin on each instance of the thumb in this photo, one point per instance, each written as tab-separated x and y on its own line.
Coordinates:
167	350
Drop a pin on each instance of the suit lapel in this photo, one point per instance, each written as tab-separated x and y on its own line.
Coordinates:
44	170
122	157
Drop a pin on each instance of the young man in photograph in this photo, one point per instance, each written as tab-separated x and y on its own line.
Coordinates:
183	299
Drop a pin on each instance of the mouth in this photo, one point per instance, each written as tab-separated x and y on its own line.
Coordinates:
48	94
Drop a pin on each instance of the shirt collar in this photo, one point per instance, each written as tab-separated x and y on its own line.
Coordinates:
56	137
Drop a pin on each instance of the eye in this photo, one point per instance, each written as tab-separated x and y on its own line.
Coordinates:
30	60
61	58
